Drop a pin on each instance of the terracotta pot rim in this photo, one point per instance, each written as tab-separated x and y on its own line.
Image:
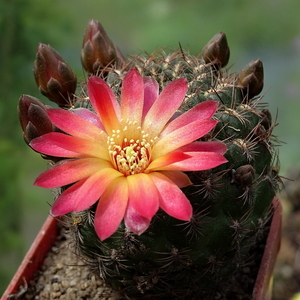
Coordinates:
33	258
263	284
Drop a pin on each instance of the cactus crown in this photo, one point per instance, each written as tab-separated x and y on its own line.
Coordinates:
204	256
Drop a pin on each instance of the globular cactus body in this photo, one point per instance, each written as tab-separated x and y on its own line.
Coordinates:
201	258
232	202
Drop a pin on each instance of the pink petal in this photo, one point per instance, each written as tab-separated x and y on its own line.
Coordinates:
104	102
71	143
197	161
66	202
172	199
69	171
204	110
165	106
143	195
94	187
88	116
179	178
167	159
45	146
182	136
151	93
50	143
132	97
215	146
73	124
85	193
134	221
111	208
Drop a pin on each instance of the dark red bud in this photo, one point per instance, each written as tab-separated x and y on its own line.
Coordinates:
24	102
30	133
98	52
251	78
54	77
260	132
266	118
33	118
244	176
40	119
216	51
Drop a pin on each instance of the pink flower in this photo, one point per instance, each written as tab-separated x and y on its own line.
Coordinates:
129	157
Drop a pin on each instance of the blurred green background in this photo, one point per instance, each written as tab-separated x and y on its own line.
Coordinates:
258	29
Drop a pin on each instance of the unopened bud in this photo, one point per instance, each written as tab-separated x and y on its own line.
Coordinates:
54	77
217	51
33	118
266	118
259	131
251	78
244	176
98	51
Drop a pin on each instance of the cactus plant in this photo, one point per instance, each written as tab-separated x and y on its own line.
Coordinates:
194	195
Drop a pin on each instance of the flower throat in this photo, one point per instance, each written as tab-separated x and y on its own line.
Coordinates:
130	148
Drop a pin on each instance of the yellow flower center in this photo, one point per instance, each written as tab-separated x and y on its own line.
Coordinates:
130	149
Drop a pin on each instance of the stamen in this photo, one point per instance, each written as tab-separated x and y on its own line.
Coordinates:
130	148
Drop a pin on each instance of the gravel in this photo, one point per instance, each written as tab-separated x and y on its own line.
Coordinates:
64	276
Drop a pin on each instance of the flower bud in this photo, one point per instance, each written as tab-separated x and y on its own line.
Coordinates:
217	51
244	176
266	118
251	78
33	118
54	77
98	52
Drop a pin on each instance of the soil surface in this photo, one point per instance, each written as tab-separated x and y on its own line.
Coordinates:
64	276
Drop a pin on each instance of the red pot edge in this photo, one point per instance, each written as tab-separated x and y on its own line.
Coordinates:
263	285
43	242
34	258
